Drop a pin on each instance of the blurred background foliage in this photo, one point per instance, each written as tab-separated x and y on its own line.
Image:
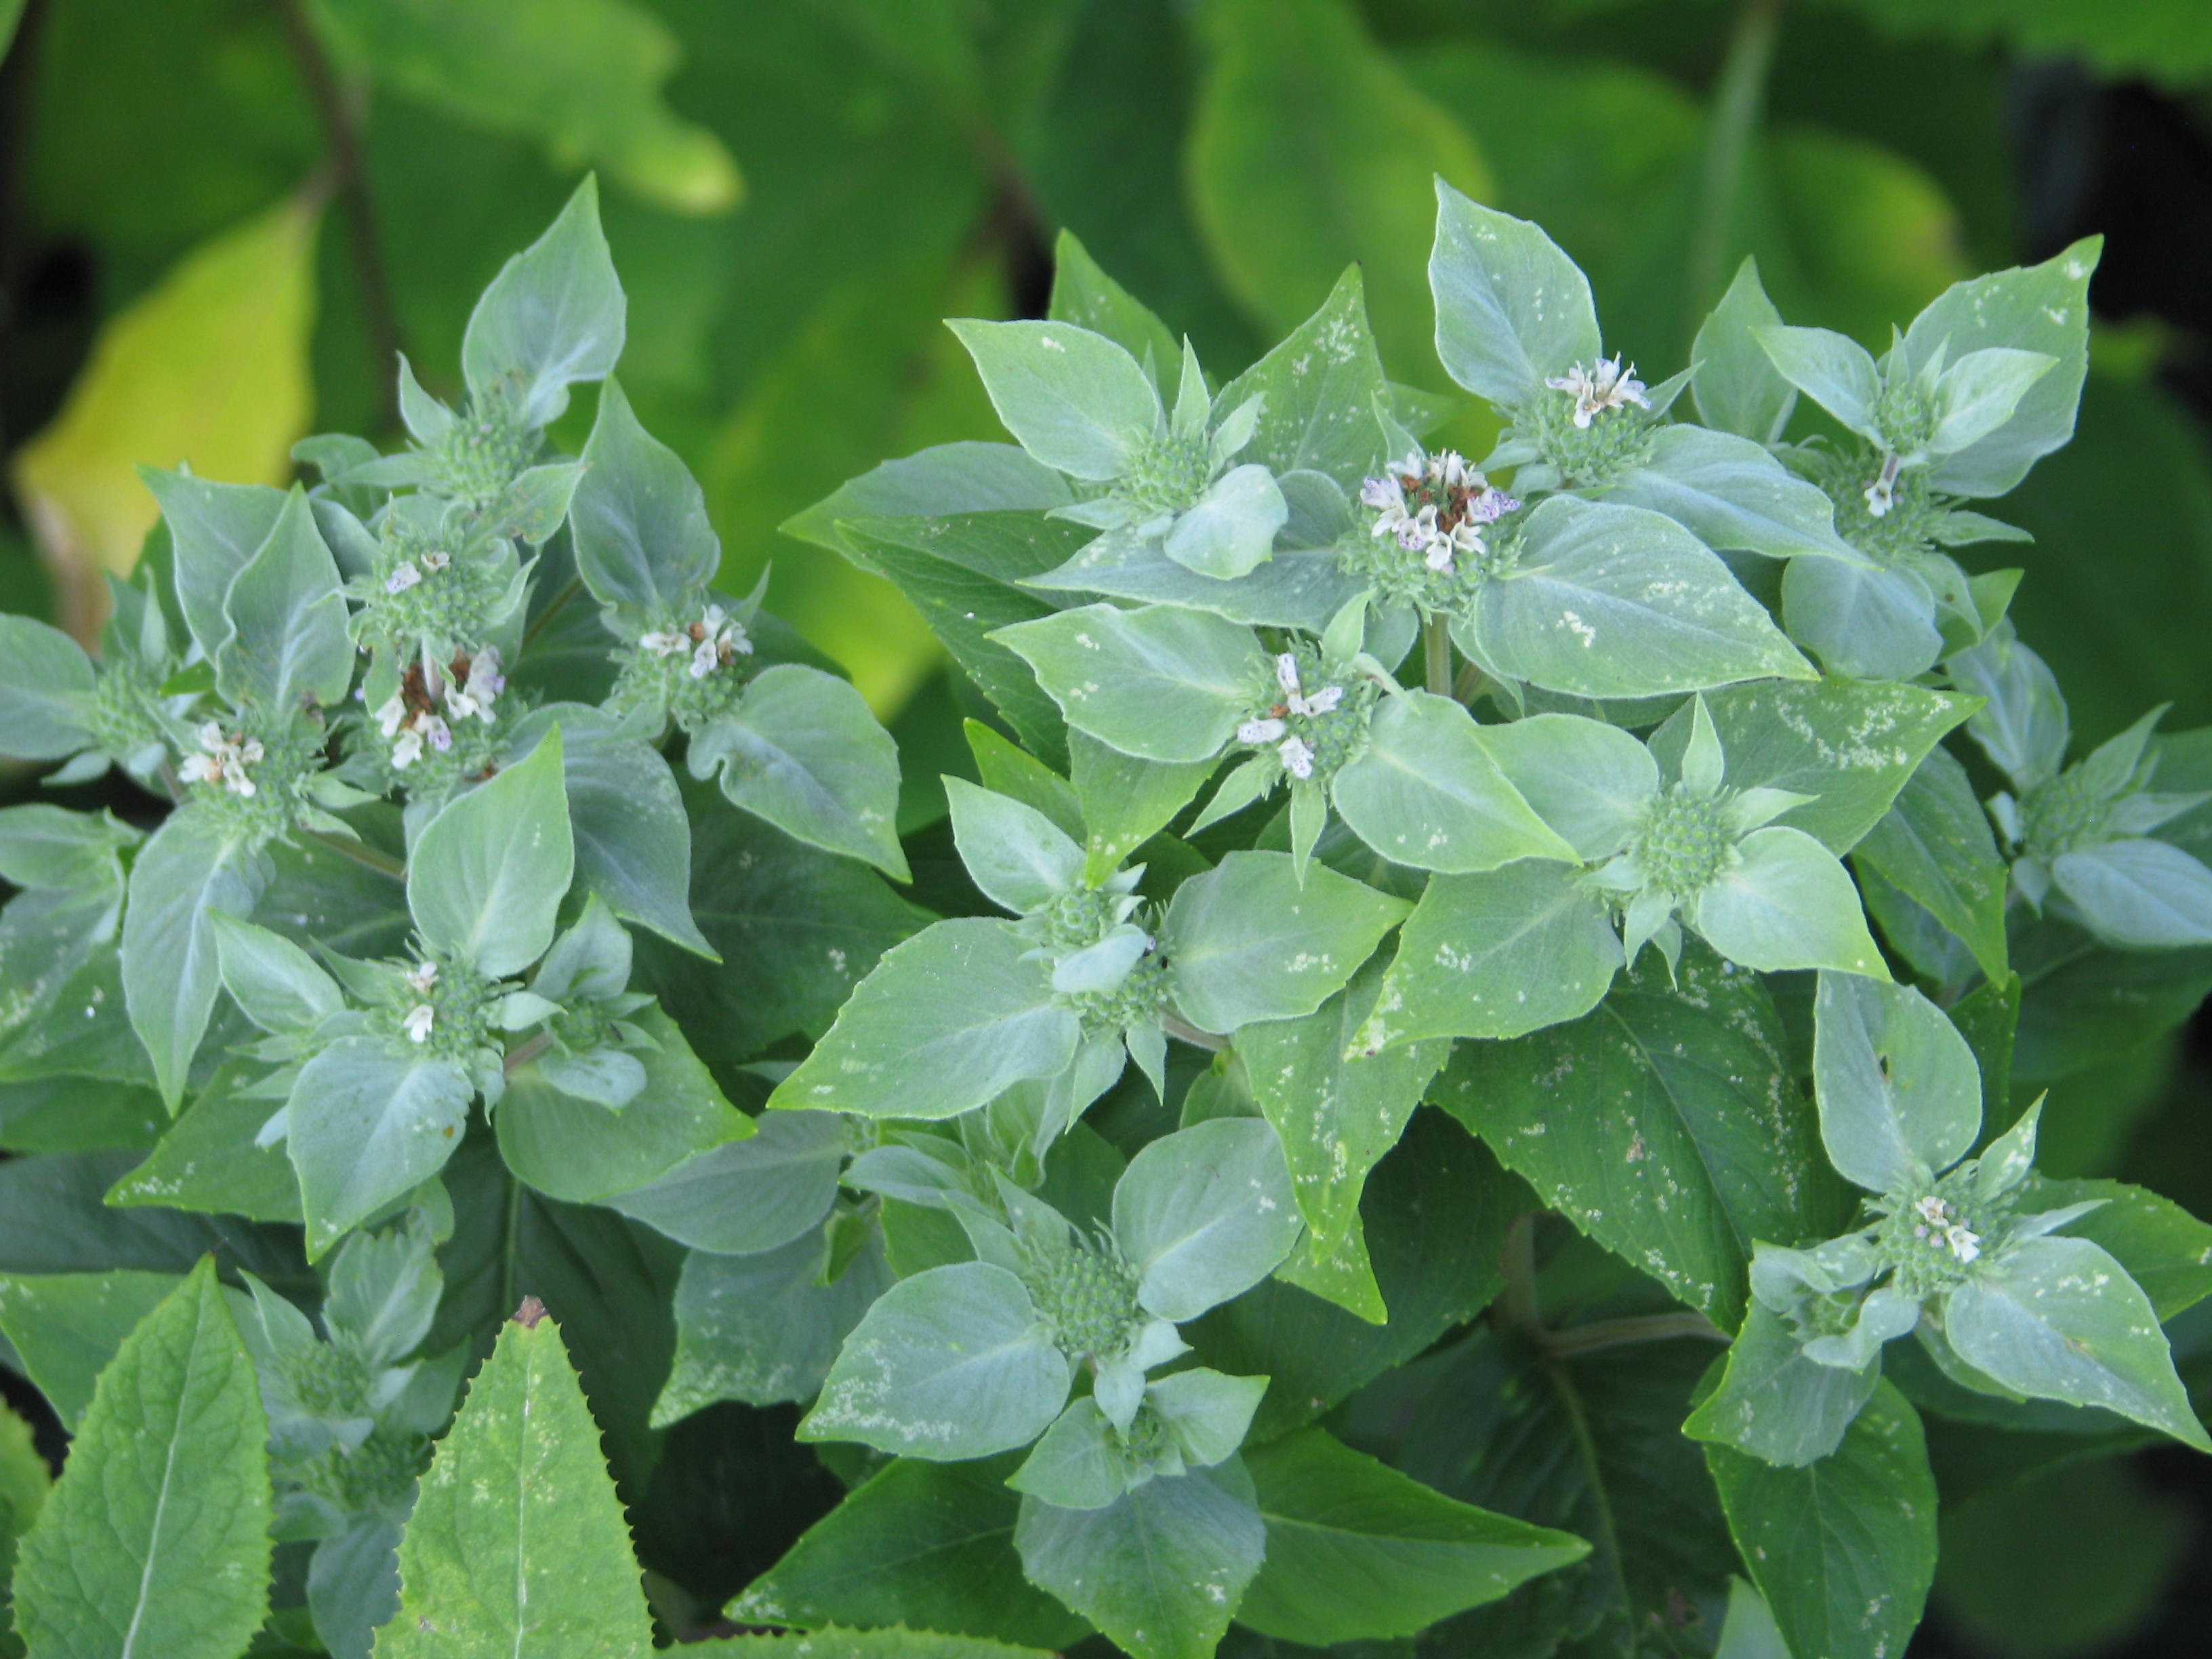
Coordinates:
220	218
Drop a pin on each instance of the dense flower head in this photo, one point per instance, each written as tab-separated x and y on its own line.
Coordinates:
1087	1293
1683	842
691	668
1601	386
421	716
1170	472
444	1007
1882	507
1933	1238
483	451
435	588
1312	724
1436	509
1139	1000
225	759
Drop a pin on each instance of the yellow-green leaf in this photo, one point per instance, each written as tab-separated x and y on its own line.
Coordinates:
210	368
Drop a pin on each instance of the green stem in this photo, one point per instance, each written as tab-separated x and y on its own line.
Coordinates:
1469	686
1517	1261
522	1055
1176	1026
554	609
510	1264
1739	97
361	853
1619	1333
1436	653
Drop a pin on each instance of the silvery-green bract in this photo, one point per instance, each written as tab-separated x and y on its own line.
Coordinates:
1490	971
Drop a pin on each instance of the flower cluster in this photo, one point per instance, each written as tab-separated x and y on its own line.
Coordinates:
410	719
715	640
224	759
1292	747
1604	386
1937	1220
409	573
1436	506
481	452
419	1021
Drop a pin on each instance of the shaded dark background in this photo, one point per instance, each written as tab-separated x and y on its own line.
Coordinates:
905	160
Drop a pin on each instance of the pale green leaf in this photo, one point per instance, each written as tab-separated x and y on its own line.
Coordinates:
2059	1319
1900	1094
1336	1116
1357	1551
949	1020
949	1364
639	520
370	1119
487	875
288	642
155	1541
1512	310
803	750
194	866
1611	601
1498	955
518	1544
1204	1214
1161	1569
1158	683
1843	1549
1426	793
1248	941
1787	904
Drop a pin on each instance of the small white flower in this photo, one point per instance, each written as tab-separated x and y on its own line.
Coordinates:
1449	469
1965	1244
1492	505
1439	556
1321	702
421	977
436	733
1286	673
419	1021
406	749
223	760
1420	532
1881	494
404	577
482	689
435	561
1382	495
713	640
1607	386
663	642
1298	757
392	715
1262	731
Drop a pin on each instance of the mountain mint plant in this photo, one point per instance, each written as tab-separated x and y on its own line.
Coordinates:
1448	994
